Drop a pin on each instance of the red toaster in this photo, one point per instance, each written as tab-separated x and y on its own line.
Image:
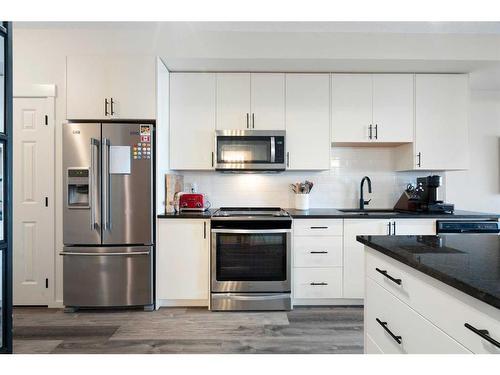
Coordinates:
192	202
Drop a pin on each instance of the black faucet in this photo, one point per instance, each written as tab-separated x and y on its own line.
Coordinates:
362	201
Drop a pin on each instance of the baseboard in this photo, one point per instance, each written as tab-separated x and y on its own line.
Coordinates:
182	303
327	302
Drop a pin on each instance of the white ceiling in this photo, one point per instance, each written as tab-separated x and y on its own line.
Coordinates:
309	46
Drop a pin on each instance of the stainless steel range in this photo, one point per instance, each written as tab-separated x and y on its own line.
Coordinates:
251	259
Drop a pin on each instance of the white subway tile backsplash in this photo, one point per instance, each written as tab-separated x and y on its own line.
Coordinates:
337	187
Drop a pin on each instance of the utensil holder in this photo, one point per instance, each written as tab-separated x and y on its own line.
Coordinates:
301	201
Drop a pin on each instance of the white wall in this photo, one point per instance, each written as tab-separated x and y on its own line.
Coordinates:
479	187
39	57
162	132
337	187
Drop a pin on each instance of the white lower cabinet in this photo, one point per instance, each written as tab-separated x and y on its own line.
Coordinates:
317	260
397	329
182	262
318	283
443	306
354	261
416	227
354	268
318	251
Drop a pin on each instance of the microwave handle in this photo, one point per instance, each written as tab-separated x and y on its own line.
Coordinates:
273	150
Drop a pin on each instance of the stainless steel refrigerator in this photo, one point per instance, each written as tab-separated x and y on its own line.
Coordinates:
108	215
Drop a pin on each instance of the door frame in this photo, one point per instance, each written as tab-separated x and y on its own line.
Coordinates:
6	242
47	92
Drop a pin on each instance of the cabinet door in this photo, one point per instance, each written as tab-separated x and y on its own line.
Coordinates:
268	101
415	227
441	115
132	86
393	107
354	259
351	107
86	87
182	259
233	101
192	120
308	121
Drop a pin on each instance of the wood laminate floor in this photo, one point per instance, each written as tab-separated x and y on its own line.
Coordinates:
189	330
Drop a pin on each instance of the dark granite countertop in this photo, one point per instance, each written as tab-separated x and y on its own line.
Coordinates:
333	213
187	215
467	262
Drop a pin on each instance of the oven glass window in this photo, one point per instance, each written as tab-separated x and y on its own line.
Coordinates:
251	257
243	150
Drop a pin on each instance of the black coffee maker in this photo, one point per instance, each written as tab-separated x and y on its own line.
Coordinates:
424	197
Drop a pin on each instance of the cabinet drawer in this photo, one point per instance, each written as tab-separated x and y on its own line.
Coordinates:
386	316
318	282
317	251
371	347
444	306
318	227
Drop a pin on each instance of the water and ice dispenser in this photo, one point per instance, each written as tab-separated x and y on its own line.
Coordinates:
78	188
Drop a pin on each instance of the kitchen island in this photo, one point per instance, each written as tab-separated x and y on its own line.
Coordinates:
432	294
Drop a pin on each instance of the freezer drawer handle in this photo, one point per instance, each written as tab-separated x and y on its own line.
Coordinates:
318	252
104	254
398	339
318	284
384	272
483	333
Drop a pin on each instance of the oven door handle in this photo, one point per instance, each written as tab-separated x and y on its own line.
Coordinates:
257	297
251	231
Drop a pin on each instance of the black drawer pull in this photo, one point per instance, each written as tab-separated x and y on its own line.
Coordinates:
384	272
318	284
318	252
484	334
319	227
398	339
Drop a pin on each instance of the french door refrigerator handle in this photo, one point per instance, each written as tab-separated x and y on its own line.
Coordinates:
69	253
93	221
106	204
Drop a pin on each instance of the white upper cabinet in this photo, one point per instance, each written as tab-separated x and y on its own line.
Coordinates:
308	121
370	108
251	101
351	107
110	87
192	120
268	101
133	87
86	87
441	115
233	101
393	107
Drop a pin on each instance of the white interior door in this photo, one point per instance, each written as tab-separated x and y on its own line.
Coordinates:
33	196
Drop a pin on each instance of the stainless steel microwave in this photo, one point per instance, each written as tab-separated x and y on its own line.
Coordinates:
250	150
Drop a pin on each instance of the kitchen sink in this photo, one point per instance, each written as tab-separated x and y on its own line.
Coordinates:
369	211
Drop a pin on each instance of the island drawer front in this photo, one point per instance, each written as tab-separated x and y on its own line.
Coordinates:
371	347
317	282
446	307
416	334
318	227
312	251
